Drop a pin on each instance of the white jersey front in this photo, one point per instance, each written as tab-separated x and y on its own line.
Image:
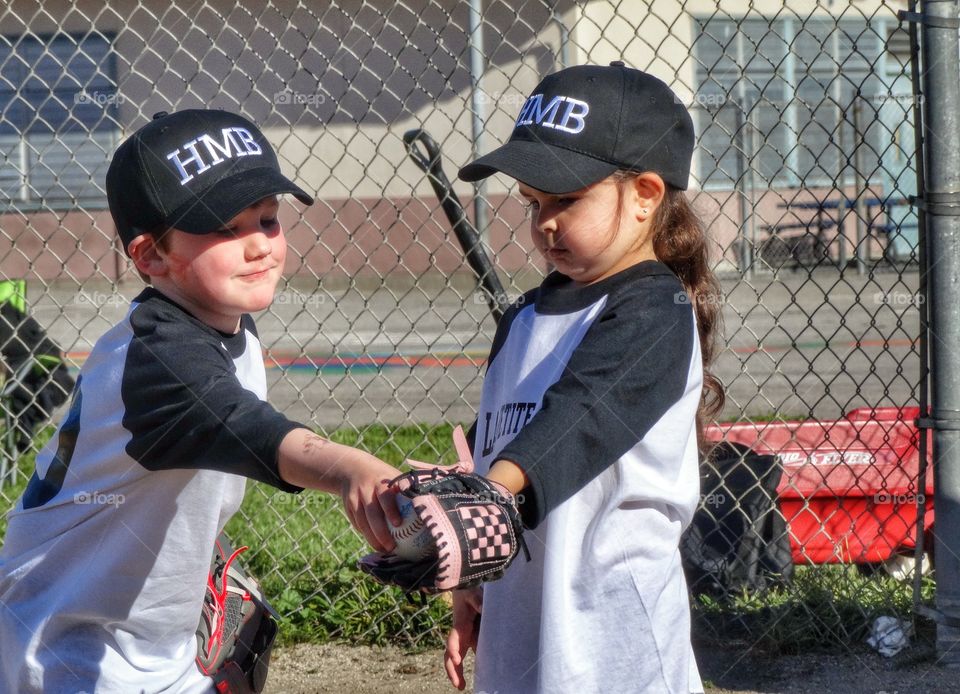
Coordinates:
593	391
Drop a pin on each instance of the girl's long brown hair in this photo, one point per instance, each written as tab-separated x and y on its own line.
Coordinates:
680	243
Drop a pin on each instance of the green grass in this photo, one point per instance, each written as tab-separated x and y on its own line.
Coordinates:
10	491
766	416
304	553
825	607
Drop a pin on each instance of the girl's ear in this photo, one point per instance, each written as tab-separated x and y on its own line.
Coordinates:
146	256
648	190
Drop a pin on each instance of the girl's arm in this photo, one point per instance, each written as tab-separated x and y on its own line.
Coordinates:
633	364
467	607
509	474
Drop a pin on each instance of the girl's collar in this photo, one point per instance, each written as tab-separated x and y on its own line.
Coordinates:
558	293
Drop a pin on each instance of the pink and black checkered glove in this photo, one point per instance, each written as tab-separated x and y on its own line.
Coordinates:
475	526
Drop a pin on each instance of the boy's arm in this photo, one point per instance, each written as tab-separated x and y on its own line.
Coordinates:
362	481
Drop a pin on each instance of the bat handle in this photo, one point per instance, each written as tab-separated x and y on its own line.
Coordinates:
466	234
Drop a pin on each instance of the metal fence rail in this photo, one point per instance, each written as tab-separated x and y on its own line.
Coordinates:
803	170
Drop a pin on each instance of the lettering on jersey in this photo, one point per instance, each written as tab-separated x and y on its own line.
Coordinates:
573	120
509	419
203	153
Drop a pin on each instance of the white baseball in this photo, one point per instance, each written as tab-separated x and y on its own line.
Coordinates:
412	538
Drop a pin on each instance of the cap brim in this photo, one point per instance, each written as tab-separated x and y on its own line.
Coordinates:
551	169
230	196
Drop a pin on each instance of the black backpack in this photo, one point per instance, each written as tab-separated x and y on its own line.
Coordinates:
738	538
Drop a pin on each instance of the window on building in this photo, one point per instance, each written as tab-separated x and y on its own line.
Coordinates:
58	124
776	100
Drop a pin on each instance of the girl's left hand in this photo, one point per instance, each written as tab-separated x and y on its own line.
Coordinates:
467	606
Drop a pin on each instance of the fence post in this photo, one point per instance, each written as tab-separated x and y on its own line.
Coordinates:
861	186
941	135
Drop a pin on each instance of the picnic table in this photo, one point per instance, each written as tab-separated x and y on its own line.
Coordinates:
805	239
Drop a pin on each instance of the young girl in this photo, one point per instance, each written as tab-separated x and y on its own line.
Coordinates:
594	396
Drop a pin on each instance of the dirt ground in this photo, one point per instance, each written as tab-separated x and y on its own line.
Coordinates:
316	669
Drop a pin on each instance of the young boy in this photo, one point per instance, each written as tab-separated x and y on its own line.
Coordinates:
105	561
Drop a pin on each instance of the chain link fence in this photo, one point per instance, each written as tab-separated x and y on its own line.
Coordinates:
805	162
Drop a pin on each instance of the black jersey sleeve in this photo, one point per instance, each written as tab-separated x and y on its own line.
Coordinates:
630	368
185	407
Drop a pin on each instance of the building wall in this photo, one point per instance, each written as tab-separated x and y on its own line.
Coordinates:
336	86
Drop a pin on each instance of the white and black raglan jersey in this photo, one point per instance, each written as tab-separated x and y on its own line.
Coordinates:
593	391
105	561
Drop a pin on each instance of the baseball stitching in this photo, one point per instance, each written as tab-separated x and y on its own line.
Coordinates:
404	533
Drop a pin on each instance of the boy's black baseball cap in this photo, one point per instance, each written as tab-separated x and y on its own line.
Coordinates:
192	170
583	123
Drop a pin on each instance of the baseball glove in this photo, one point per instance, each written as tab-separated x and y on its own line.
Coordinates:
237	626
473	522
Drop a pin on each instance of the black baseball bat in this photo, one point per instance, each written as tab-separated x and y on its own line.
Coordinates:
466	233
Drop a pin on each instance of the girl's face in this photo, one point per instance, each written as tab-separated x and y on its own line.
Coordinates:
595	232
221	275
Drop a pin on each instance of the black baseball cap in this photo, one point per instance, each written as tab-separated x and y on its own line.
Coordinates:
584	123
192	170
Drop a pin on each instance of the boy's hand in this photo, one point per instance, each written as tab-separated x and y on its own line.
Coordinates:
361	480
369	502
467	606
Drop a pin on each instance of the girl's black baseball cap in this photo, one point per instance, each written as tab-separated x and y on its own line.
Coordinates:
192	170
584	123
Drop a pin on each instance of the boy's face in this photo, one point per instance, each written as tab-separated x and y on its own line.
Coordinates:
223	274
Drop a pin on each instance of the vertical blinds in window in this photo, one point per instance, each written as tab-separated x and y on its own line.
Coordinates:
58	122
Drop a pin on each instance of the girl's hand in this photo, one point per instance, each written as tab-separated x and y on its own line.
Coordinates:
467	606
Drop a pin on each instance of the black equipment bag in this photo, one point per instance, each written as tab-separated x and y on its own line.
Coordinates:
738	538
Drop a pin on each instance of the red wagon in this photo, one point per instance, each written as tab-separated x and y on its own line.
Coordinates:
849	490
